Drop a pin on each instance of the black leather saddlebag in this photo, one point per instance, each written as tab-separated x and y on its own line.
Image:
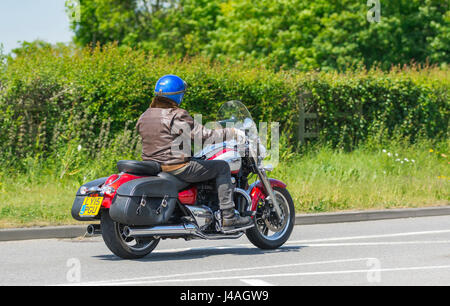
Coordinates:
147	201
79	200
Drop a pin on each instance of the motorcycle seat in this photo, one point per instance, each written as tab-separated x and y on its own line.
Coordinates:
149	168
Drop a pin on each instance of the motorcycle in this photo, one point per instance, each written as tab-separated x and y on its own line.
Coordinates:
141	205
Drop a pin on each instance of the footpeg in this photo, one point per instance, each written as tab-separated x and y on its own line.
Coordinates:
236	230
230	230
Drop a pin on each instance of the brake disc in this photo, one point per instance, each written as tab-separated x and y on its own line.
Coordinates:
268	220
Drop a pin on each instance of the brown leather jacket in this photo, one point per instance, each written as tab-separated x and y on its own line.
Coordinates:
162	124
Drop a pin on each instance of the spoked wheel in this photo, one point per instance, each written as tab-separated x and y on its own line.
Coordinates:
271	232
121	245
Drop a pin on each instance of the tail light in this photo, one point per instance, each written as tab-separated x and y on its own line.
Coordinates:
108	191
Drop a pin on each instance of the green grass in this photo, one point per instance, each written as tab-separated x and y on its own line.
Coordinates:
319	180
36	204
326	180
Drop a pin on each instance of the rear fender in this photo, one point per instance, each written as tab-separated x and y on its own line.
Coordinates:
79	199
114	181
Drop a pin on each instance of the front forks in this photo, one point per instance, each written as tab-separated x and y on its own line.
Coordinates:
269	190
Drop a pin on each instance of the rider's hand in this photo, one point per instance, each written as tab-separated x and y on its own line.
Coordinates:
239	135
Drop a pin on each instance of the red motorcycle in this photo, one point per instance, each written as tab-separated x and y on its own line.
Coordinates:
142	205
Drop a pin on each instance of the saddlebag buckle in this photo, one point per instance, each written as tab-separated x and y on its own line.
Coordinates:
141	205
163	205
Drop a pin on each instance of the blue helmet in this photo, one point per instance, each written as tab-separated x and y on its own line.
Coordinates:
172	87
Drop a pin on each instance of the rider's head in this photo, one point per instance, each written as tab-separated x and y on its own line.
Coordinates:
172	87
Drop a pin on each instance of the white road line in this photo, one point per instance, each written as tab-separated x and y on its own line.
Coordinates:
241	277
375	243
139	279
371	236
406	234
256	282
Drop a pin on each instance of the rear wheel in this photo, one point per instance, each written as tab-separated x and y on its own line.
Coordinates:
121	245
270	232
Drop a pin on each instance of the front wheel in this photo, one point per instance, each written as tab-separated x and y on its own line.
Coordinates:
121	245
270	232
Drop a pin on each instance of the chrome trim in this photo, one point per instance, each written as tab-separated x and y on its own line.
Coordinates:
93	190
168	230
219	236
93	230
202	215
239	229
267	168
246	195
182	230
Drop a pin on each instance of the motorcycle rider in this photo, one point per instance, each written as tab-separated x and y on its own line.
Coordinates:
156	127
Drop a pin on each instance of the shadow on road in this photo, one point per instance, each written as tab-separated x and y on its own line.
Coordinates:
203	252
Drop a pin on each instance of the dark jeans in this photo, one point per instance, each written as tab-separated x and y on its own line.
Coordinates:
204	170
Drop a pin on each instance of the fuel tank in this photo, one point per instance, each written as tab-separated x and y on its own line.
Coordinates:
223	151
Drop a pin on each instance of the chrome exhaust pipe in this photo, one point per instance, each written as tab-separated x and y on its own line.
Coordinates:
93	230
181	230
168	230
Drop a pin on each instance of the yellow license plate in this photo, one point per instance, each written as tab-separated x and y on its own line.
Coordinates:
91	206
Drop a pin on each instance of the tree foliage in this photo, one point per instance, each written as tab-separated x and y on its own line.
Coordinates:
305	34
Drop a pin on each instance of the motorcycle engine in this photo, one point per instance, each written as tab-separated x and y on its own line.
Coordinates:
207	203
203	215
207	196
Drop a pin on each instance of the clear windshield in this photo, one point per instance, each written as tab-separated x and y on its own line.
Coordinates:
235	114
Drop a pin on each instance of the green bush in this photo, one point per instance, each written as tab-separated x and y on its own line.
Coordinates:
51	97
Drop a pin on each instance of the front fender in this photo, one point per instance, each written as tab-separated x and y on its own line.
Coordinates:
256	191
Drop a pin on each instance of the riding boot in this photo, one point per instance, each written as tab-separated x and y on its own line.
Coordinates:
232	221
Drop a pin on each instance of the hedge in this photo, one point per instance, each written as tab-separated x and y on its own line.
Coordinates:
53	95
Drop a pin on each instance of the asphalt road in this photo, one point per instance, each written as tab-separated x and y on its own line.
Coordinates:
390	252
